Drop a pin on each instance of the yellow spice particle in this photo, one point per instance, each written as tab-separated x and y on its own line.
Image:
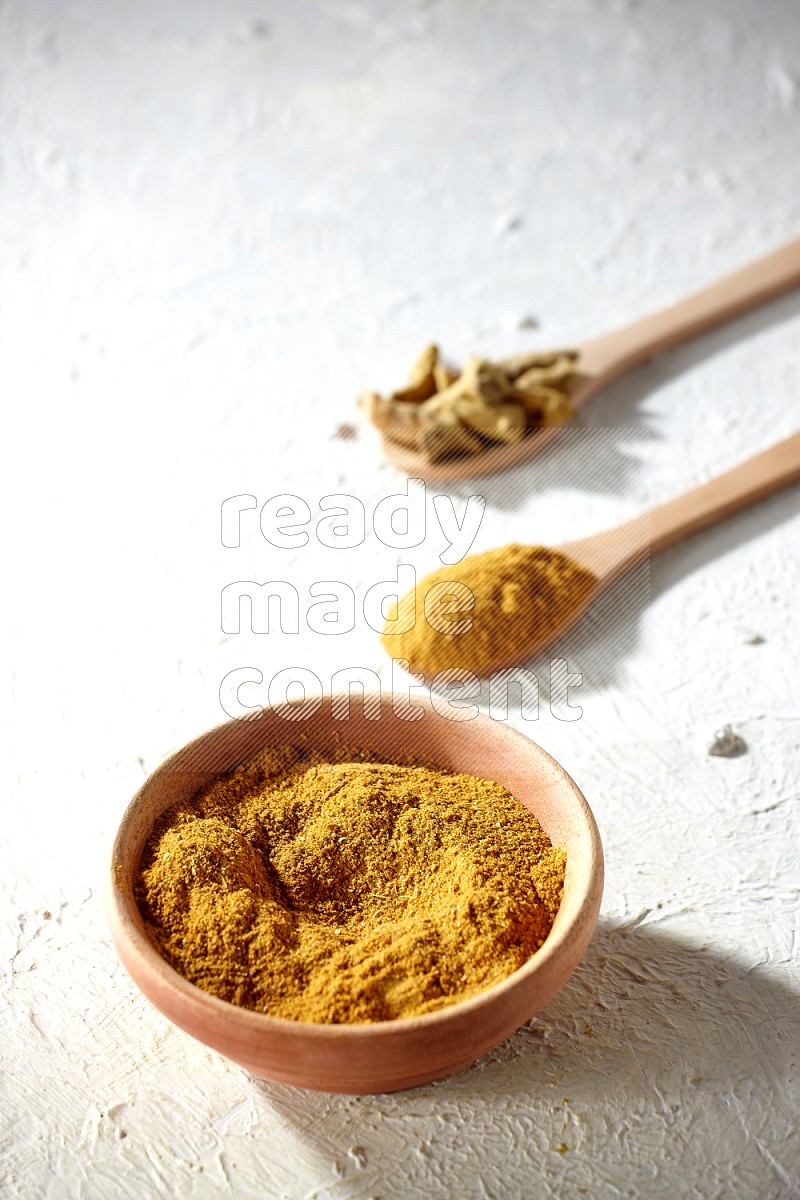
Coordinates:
348	891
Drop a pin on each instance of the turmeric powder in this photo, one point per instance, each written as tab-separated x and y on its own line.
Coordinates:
347	890
491	608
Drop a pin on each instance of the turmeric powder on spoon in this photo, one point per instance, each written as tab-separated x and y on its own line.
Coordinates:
486	610
497	609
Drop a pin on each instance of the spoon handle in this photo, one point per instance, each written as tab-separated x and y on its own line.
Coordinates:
612	553
606	357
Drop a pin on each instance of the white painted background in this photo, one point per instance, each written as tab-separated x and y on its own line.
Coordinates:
220	222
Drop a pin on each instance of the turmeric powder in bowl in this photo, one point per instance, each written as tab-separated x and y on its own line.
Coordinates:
343	889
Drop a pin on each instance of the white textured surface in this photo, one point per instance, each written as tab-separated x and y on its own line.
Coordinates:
220	222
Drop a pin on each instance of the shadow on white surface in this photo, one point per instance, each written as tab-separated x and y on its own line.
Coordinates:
609	633
571	459
653	1042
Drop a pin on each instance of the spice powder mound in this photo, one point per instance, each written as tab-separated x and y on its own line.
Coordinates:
505	599
348	891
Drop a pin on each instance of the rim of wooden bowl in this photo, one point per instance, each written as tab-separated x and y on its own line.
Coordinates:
454	1035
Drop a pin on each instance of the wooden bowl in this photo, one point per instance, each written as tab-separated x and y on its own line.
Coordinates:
389	1055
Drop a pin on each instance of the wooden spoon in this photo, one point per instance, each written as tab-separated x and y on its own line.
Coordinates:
613	552
602	360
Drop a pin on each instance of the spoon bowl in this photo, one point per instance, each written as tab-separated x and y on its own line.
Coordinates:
388	1055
